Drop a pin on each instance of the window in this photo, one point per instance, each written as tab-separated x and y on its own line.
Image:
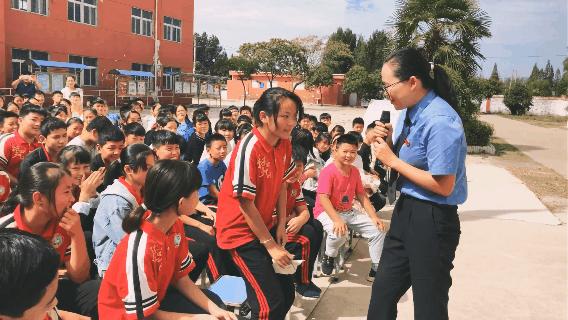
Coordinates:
19	56
83	11
88	76
35	6
143	67
142	22
172	29
169	78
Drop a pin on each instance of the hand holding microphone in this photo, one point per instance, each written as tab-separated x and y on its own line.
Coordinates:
383	128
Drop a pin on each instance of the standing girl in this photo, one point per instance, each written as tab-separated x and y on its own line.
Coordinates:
148	274
70	87
254	186
429	155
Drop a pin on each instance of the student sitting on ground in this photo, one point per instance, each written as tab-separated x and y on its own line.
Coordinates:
212	168
338	185
53	138
118	199
15	147
304	233
133	133
74	128
155	284
89	137
196	143
29	288
8	122
42	206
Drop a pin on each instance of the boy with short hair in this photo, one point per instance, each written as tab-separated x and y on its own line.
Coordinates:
212	168
14	147
166	145
56	97
109	145
339	184
246	110
358	125
53	137
8	122
326	119
134	133
76	105
89	137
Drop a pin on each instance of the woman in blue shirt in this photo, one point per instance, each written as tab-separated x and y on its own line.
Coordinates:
427	154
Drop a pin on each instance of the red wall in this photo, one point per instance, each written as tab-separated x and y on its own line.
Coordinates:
111	41
331	95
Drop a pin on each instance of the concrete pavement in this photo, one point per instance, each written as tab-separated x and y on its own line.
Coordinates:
548	146
510	264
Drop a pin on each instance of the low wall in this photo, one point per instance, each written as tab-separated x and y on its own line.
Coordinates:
541	106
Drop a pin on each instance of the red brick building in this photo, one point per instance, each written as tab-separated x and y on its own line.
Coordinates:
259	82
100	34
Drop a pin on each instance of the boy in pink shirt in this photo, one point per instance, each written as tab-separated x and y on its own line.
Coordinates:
339	184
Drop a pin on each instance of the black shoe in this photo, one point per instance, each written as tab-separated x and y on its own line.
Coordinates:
245	312
371	276
327	265
309	290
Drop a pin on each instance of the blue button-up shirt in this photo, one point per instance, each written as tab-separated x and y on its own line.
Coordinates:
436	144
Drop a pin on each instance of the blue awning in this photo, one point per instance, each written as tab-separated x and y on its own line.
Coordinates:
58	64
132	73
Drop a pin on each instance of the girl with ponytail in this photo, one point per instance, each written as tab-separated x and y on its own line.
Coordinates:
154	255
126	179
426	156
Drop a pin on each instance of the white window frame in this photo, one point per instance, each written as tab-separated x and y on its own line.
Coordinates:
83	6
89	68
142	22
26	6
170	30
168	83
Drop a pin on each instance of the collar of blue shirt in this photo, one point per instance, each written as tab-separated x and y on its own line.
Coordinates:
415	111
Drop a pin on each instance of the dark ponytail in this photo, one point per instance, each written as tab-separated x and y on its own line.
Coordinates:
134	156
42	177
410	62
166	183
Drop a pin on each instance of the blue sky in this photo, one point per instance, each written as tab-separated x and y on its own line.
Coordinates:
524	31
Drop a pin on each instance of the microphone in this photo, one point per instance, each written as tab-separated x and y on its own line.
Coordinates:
385	117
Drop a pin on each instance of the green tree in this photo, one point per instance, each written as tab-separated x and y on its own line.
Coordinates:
548	72
449	31
495	73
311	48
245	68
372	53
275	57
536	73
320	77
518	98
345	36
359	80
210	57
337	56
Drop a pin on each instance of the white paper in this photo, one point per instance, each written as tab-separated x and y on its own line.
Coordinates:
289	269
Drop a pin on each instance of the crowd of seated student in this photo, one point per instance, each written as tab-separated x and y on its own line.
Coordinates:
81	172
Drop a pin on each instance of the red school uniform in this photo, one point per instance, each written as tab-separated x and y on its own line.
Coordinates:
57	236
295	199
13	150
256	172
134	290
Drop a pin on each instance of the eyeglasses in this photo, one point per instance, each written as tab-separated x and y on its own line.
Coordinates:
385	88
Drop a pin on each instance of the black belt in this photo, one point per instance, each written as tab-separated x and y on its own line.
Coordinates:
439	205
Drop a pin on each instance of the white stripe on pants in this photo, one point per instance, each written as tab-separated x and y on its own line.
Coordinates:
358	222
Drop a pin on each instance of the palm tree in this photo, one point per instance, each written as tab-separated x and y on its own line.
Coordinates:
448	31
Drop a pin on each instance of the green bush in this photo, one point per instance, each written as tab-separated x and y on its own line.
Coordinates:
477	133
518	99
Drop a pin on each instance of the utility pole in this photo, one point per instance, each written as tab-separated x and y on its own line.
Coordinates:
156	59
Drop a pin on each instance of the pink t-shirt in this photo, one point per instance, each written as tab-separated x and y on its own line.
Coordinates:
340	189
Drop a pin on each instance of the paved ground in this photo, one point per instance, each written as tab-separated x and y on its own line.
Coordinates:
548	146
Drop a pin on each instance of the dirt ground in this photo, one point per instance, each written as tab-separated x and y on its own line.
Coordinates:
550	187
541	121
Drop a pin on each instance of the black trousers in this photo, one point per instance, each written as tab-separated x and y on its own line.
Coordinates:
305	245
419	250
207	254
269	294
79	298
